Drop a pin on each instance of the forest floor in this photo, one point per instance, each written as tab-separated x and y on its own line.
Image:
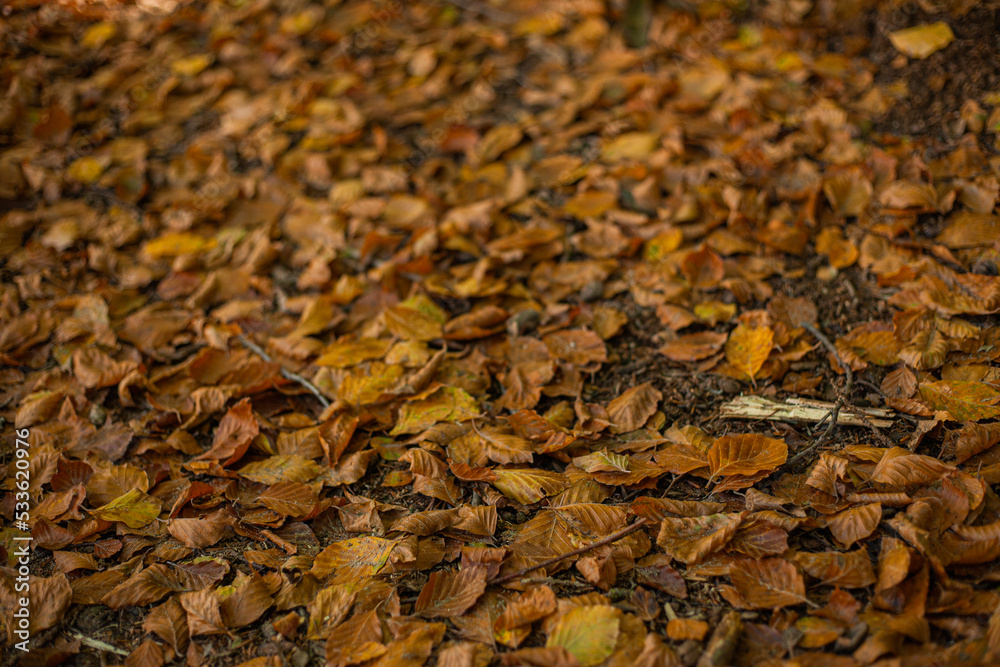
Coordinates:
462	333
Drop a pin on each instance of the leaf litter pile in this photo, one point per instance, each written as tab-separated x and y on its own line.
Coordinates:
405	333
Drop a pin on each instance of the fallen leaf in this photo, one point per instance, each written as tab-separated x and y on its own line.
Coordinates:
588	632
748	348
450	593
771	583
922	40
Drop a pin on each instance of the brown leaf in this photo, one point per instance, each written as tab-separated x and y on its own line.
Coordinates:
689	540
145	587
335	434
329	608
655	509
47	603
631	410
244	601
768	584
450	593
169	622
693	347
833	568
233	436
655	571
291	499
147	654
533	605
900	468
577	346
356	640
855	523
702	268
203	615
203	532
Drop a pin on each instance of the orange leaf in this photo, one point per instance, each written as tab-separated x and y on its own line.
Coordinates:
527	486
533	605
680	629
244	601
352	559
745	454
748	348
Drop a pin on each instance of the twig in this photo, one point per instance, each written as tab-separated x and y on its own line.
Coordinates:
628	530
818	335
841	397
843	400
877	389
98	644
287	374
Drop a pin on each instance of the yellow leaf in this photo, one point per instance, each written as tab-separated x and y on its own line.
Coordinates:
602	461
177	243
631	146
659	247
922	40
281	468
352	559
135	509
589	633
86	170
368	382
966	401
417	318
98	34
547	23
747	349
528	486
349	350
447	404
190	66
713	312
590	204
